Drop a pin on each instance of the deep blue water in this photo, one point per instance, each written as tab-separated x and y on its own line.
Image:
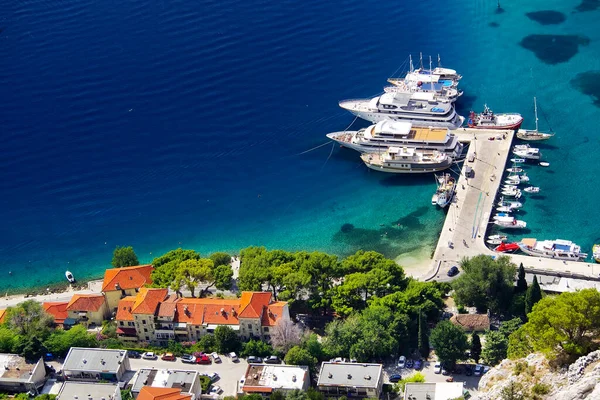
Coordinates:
164	124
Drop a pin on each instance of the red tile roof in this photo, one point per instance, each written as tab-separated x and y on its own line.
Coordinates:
124	309
127	278
147	300
223	312
253	303
471	322
157	393
167	308
189	311
273	313
57	309
2	315
85	302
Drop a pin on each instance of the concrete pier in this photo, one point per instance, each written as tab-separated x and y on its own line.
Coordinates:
469	214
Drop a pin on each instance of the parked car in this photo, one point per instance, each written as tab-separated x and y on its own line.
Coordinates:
149	355
437	368
409	363
478	370
213	376
445	370
233	357
418	364
272	360
468	370
216	389
203	359
402	362
395	378
453	271
188	359
133	354
254	360
215	357
458	369
168	357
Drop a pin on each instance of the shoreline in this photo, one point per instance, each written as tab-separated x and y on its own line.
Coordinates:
56	292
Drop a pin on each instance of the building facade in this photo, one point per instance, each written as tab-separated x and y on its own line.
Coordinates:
19	376
119	283
350	380
265	379
93	365
87	309
89	391
187	381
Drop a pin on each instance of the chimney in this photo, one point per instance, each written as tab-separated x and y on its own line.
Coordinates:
233	312
330	375
293	378
349	376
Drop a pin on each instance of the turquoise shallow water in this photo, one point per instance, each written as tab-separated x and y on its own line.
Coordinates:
171	124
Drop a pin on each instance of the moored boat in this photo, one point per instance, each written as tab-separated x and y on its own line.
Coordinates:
507	248
446	187
407	160
532	189
529	153
514	169
517	160
596	252
516	193
488	120
505	209
544	164
511	204
498	237
494	241
70	277
510	222
533	135
558	249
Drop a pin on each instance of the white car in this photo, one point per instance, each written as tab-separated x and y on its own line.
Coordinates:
233	357
478	370
149	355
437	368
215	357
402	362
213	376
216	389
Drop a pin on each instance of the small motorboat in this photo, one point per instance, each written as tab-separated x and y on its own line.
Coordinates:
596	252
532	189
511	204
509	187
511	193
505	209
544	164
512	182
493	241
70	277
514	169
518	160
507	247
502	215
498	237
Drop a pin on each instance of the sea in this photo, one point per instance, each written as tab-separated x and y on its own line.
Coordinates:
164	124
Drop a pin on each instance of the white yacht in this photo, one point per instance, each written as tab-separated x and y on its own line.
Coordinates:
510	204
559	249
407	160
446	188
446	76
527	152
528	134
420	109
442	93
385	134
509	222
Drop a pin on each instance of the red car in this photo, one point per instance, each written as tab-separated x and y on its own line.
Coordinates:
202	358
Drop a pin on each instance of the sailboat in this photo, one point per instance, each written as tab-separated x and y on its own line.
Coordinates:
527	134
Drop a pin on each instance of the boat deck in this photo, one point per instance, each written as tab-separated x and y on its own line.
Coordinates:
469	215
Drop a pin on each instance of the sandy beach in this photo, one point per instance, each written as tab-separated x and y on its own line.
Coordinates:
91	287
416	263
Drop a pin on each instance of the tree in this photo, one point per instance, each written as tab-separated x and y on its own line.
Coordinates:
449	341
533	295
296	394
220	258
486	283
60	341
207	343
277	395
299	356
423	336
30	347
285	334
124	257
29	318
256	348
562	327
314	347
8	339
475	347
496	346
521	282
166	266
191	272
226	339
513	391
314	394
510	326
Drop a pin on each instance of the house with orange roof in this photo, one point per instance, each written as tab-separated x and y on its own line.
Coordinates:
87	309
2	315
122	282
136	314
146	381
158	393
58	310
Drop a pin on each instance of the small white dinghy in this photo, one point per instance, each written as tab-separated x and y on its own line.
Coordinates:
514	169
500	237
532	189
70	277
544	164
518	160
493	241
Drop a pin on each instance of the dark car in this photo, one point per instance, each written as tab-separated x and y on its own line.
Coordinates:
418	364
272	360
395	378
409	363
134	354
254	360
453	271
188	359
468	371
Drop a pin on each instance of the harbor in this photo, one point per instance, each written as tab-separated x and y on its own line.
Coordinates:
464	230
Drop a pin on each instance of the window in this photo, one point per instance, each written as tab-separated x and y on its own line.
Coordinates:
145	330
121	323
147	337
130	323
144	321
249	326
266	329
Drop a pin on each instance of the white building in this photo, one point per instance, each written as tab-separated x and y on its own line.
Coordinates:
265	379
187	381
350	379
89	391
95	364
19	376
433	391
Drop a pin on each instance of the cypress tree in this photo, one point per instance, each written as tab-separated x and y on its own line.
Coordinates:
423	336
475	347
534	294
521	282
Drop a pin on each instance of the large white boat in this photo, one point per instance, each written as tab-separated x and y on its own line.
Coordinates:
446	76
528	134
420	109
489	120
527	152
407	160
446	187
559	249
509	222
443	93
385	134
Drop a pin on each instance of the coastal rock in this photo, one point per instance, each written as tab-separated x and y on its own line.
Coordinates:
577	369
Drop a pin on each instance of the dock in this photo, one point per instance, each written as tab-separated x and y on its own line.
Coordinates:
466	224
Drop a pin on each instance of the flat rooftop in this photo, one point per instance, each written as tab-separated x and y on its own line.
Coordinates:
101	360
13	366
350	374
276	376
87	391
165	378
433	391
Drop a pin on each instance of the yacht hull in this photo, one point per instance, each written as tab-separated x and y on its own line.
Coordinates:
375	117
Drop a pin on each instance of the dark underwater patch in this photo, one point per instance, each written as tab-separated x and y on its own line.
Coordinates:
588	5
347	228
494	24
588	83
554	49
547	17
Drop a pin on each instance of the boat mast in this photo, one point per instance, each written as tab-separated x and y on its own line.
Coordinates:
421	59
411	63
439	62
536	117
430	76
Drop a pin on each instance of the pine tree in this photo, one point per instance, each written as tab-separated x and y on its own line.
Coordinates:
534	294
423	336
521	282
475	347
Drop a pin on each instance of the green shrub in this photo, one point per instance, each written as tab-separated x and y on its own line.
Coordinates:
205	383
540	389
519	368
461	309
417	377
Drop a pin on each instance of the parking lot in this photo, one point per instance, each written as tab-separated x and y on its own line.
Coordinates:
470	382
